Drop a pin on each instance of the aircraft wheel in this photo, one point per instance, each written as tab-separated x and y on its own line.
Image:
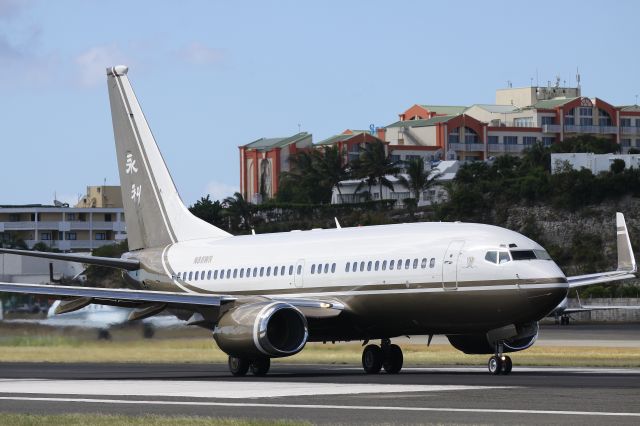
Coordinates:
393	359
238	366
495	365
148	331
260	367
372	359
507	365
104	335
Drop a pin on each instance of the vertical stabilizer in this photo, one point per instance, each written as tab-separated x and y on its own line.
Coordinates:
154	212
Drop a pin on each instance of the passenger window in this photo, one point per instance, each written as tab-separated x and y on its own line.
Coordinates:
299	269
423	264
196	276
369	266
376	265
361	266
406	263
399	264
202	275
504	257
255	271
235	272
268	270
320	268
228	273
221	273
290	269
333	268
491	257
326	268
384	265
209	274
354	267
391	265
346	268
432	262
215	274
262	271
275	271
241	272
283	270
415	263
313	268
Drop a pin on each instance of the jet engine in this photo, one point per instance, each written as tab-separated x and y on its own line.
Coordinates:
524	337
271	329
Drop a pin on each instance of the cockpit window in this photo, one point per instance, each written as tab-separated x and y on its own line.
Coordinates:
503	257
491	257
542	254
523	255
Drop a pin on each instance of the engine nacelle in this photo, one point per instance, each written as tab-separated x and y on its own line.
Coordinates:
524	337
272	329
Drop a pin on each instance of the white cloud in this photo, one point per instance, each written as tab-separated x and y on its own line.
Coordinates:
93	63
220	190
200	54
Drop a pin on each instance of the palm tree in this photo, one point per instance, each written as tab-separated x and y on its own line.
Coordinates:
417	178
374	165
239	208
328	165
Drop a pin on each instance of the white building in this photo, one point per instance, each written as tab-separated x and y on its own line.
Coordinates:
349	192
597	163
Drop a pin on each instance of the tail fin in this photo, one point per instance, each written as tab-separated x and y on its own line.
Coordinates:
154	212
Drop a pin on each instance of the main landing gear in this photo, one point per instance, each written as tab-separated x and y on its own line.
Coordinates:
241	366
500	363
386	356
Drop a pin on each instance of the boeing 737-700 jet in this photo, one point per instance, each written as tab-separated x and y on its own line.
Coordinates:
266	296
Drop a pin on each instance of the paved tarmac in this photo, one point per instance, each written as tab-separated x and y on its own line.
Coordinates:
329	394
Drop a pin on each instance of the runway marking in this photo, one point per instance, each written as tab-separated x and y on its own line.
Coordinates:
327	407
214	389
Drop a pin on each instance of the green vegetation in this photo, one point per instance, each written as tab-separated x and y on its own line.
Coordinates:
100	419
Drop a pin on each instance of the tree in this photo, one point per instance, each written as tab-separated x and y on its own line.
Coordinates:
617	166
328	165
239	210
374	165
207	210
417	178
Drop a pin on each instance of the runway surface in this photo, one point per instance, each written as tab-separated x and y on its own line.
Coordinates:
329	394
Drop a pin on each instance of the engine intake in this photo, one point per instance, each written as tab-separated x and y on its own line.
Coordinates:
526	335
274	329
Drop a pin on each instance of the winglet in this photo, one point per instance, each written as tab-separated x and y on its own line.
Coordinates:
626	259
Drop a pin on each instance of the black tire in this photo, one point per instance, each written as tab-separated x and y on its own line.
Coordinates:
372	359
393	359
104	334
495	365
260	367
238	366
507	365
148	331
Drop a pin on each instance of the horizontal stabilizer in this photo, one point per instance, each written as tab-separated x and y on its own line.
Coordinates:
111	262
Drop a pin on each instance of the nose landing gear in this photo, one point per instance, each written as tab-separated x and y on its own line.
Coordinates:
386	356
500	363
241	366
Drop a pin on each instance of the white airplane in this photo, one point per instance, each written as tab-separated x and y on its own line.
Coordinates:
266	296
101	318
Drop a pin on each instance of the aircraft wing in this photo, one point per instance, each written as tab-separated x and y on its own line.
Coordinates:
315	308
111	262
626	261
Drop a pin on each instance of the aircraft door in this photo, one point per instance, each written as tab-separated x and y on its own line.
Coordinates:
298	273
450	265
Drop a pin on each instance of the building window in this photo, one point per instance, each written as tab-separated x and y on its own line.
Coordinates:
548	120
494	140
45	236
510	140
586	112
523	122
71	216
548	141
107	217
454	137
586	121
625	143
528	140
569	118
625	122
470	136
72	236
100	236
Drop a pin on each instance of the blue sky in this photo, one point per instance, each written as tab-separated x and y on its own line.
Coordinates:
213	75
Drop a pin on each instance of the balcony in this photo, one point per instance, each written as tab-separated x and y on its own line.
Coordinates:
551	128
62	226
466	147
591	129
628	130
506	148
66	245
